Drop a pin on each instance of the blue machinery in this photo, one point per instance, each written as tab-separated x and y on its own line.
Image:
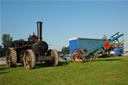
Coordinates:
79	55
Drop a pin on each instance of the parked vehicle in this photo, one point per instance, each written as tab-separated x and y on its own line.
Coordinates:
32	51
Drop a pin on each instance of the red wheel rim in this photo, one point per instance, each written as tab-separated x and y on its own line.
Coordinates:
77	55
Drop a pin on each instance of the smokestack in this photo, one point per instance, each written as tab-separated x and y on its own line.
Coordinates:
39	30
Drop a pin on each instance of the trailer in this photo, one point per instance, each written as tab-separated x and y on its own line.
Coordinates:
80	55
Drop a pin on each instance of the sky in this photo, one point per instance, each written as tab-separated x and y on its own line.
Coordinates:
64	19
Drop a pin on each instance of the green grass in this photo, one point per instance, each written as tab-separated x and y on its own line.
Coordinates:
104	71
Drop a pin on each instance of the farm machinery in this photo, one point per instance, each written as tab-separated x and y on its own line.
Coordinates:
32	51
80	55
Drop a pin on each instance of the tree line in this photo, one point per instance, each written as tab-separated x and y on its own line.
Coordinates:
7	41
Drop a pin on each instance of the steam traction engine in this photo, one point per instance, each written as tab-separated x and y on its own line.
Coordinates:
32	51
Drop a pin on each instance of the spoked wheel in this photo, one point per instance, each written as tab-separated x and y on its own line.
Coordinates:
77	55
29	59
11	57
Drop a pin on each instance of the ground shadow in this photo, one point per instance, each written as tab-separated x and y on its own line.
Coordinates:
3	72
63	63
3	68
2	64
47	65
38	65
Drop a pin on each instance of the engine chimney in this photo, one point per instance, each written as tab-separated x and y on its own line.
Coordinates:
39	30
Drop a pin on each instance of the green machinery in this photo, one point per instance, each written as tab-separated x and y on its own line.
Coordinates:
79	55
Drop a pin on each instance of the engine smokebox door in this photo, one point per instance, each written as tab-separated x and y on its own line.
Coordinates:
40	47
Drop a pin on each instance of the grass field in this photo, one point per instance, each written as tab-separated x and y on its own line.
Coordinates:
103	71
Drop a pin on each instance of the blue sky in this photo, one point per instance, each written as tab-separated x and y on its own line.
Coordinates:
63	20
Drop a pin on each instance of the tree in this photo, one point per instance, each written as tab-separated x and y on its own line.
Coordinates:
6	41
65	50
1	51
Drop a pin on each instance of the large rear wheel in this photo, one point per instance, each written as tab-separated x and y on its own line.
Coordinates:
29	59
11	57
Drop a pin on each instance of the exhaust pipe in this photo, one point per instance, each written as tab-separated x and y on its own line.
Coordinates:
39	30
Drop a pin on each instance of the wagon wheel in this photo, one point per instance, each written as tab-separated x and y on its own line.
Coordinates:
29	59
55	59
11	57
77	55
